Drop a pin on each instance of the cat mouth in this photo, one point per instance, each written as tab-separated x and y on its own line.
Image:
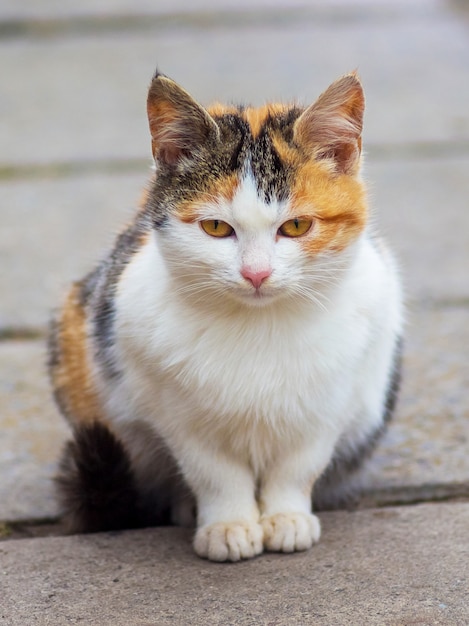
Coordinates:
261	293
256	296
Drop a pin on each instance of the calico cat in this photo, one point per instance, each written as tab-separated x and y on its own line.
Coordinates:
239	346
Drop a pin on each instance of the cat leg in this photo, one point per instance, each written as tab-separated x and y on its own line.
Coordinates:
228	527
285	499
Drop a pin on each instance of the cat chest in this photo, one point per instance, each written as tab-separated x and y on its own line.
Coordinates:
260	373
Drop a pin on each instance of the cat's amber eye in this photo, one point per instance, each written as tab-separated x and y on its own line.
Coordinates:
296	227
216	228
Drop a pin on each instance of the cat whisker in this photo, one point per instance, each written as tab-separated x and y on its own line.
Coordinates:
309	294
198	292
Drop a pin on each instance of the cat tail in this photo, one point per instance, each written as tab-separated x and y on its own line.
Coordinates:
95	484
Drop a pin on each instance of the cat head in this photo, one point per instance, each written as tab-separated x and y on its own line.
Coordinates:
256	203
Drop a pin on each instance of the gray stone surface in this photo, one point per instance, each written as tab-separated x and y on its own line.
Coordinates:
90	88
424	454
393	567
421	208
54	231
31	436
29	9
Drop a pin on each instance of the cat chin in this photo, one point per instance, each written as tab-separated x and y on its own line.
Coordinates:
255	298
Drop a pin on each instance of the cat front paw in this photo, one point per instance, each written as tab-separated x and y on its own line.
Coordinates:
290	532
229	541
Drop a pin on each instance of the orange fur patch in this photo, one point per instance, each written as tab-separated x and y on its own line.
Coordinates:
290	156
225	188
217	109
256	117
71	375
337	203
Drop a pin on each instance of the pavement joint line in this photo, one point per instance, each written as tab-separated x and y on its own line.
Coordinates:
67	169
22	334
203	20
72	168
11	530
412	495
30	528
446	303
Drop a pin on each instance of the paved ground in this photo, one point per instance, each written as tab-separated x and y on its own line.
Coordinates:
75	153
369	570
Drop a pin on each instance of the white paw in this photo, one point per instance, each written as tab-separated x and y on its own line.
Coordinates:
290	532
228	541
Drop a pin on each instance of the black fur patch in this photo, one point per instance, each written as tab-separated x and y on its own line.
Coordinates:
393	389
273	177
95	485
270	173
99	287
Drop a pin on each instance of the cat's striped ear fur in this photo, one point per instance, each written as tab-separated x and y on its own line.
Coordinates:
331	127
178	124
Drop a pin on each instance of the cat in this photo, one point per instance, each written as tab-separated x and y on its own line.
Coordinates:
239	347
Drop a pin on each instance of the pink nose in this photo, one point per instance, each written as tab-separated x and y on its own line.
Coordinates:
256	278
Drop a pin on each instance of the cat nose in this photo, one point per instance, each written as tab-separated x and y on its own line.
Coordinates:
256	278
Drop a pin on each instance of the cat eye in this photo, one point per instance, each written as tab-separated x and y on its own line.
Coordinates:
216	228
295	227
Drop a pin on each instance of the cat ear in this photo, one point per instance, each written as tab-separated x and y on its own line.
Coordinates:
331	127
178	125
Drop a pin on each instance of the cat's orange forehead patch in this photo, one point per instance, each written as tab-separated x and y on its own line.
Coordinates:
287	153
217	109
256	117
221	189
337	204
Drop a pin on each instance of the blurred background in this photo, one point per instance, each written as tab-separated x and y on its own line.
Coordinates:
75	143
75	152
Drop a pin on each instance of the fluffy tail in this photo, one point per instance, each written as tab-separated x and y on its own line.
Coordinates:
95	484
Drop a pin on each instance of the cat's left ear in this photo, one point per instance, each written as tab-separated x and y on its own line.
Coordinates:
178	124
331	128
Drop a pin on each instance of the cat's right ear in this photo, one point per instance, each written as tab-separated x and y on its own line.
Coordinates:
178	124
331	128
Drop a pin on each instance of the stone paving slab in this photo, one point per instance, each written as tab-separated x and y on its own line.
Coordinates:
53	231
393	567
30	9
90	90
32	433
421	208
423	456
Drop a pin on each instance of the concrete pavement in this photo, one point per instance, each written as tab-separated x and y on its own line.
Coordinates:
75	153
369	569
